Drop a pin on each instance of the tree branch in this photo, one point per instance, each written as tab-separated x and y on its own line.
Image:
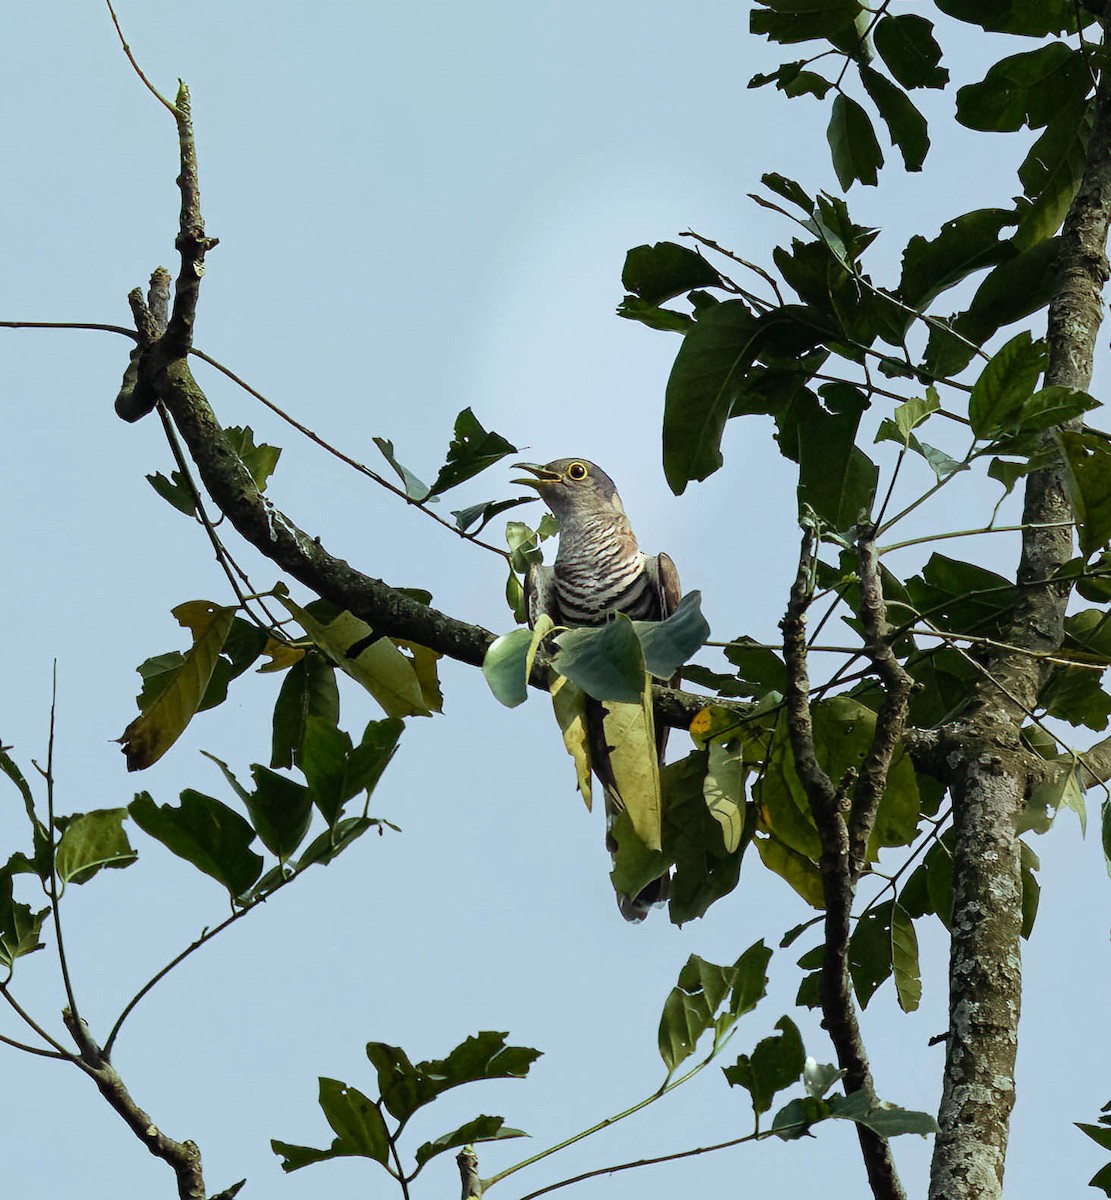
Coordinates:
892	716
988	769
838	880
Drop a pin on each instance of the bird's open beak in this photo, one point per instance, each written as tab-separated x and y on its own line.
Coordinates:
544	477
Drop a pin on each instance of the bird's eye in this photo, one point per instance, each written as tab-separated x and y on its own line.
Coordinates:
576	471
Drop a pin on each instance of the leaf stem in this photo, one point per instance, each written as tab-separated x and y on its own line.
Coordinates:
605	1123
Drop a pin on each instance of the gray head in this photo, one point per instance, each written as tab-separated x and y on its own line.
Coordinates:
573	487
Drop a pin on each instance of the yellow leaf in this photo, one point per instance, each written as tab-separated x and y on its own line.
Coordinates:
282	655
570	710
630	733
149	736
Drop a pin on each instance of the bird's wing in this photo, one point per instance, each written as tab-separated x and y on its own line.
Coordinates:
540	594
666	579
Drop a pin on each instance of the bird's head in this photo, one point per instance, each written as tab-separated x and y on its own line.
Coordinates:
573	487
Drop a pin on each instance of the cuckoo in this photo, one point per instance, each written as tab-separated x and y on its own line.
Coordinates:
599	570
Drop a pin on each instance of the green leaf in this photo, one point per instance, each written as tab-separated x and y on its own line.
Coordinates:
1005	385
165	718
1052	406
372	661
852	142
789	190
472	450
794	1119
759	669
1100	1134
1026	18
966	244
705	869
1088	476
9	768
723	790
1076	695
175	490
91	841
504	667
1025	89
414	488
904	960
481	1129
870	952
793	80
405	1087
667	320
213	837
1102	1180
629	731
881	1118
280	810
371	756
1017	287
704	380
697	1003
775	1063
668	644
484	513
796	869
1031	889
19	926
909	50
357	1122
789	21
606	662
332	842
260	461
660	272
569	704
1050	173
836	478
524	546
905	124
308	690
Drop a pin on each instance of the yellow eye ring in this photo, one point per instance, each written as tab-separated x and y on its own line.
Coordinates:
576	471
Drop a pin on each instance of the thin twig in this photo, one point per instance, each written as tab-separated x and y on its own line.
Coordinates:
669	1086
362	468
31	1023
662	1158
138	70
52	883
128	333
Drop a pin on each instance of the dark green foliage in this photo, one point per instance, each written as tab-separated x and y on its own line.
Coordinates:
909	50
360	1123
852	143
775	1064
708	997
205	832
660	272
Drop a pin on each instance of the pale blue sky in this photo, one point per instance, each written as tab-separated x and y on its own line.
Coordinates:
422	207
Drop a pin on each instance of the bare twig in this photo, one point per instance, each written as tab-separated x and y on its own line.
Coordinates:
52	881
138	70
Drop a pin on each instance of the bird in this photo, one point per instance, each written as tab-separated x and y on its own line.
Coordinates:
599	570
